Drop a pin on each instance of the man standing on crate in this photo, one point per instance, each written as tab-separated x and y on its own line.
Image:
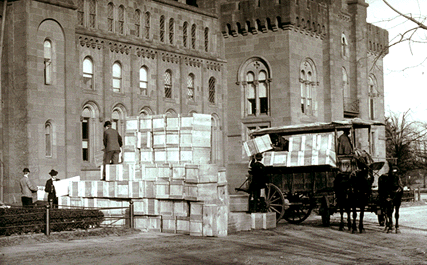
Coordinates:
27	189
258	182
112	144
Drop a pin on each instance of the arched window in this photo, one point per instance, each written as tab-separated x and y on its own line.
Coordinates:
117	77
171	30
344	46
48	62
206	39
373	94
121	19
162	28
48	138
185	34
193	36
171	113
88	73
346	90
110	17
308	83
168	84
80	12
118	119
137	20
212	84
190	87
86	120
256	88
92	13
90	131
145	111
147	25
143	81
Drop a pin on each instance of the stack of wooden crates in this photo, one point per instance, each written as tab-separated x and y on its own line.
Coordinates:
167	174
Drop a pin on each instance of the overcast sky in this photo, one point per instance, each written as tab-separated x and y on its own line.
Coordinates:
405	67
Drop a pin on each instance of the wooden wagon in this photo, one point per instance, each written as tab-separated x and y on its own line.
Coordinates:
301	177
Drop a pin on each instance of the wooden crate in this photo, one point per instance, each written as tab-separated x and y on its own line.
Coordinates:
215	220
178	172
74	188
146	155
87	188
132	124
144	140
239	203
186	122
196	211
130	141
162	189
239	221
201	155
196	228
113	172
64	202
201	138
172	123
151	172
181	208
166	207
172	139
160	155
204	173
159	122
182	225
169	224
122	189
206	192
149	189
164	171
145	124
223	195
136	189
130	157
109	190
128	171
185	138
172	155
99	188
138	206
202	122
176	189
148	223
186	155
269	220
76	202
159	139
151	207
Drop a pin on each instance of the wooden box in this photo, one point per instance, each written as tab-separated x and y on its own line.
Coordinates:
87	188
172	155
239	203
196	211
222	176
178	172
130	157
206	192
172	123
269	220
109	190
181	208
160	155
63	202
176	189
239	221
185	138
166	207
159	122
128	171
159	139
148	223
138	206
132	124
113	172
144	140
196	228
204	173
257	220
201	138
151	172
223	195
149	189
202	122
146	155
172	139
151	207
186	155
215	220
168	224
122	189
201	155
145	124
136	189
164	171
76	202
130	142
162	189
182	225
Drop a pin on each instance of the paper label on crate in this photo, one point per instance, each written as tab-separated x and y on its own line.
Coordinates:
62	186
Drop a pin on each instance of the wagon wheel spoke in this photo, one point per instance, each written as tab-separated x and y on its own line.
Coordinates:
275	201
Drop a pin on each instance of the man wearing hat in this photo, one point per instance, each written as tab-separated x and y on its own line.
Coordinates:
258	182
27	188
112	143
50	189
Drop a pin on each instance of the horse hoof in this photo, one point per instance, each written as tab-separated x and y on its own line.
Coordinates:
397	231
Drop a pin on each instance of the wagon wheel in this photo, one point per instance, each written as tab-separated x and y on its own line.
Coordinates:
275	201
298	208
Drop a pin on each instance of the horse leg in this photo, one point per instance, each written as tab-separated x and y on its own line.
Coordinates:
342	218
396	216
362	213
354	227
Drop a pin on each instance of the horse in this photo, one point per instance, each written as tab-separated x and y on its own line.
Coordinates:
390	195
353	191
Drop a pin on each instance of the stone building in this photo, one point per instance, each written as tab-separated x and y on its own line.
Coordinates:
67	66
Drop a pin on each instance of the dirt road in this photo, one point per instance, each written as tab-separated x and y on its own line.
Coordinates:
308	243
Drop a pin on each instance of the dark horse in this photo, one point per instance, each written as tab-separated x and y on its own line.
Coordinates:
353	190
390	194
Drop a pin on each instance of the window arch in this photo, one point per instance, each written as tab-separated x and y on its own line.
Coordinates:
372	94
117	77
47	54
185	33
171	112
190	87
48	132
145	111
255	76
110	17
162	28
212	83
88	73
143	81
121	19
92	13
168	83
147	25
193	36
118	116
89	131
308	80
171	30
137	21
206	39
344	46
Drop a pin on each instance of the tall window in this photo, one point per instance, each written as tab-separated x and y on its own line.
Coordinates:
80	12
344	46
92	13
48	138
117	77
184	34
372	94
85	121
118	119
206	39
346	90
162	28
168	84
193	36
190	87
307	83
143	81
137	19
256	88
121	19
88	73
212	82
147	25
110	17
171	30
47	62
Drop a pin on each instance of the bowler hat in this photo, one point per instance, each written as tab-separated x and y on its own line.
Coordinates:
53	172
107	123
26	170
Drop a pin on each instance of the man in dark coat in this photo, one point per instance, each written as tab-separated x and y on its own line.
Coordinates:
50	189
344	143
258	181
27	189
112	144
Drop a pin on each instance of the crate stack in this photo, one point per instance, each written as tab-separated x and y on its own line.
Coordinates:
166	173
